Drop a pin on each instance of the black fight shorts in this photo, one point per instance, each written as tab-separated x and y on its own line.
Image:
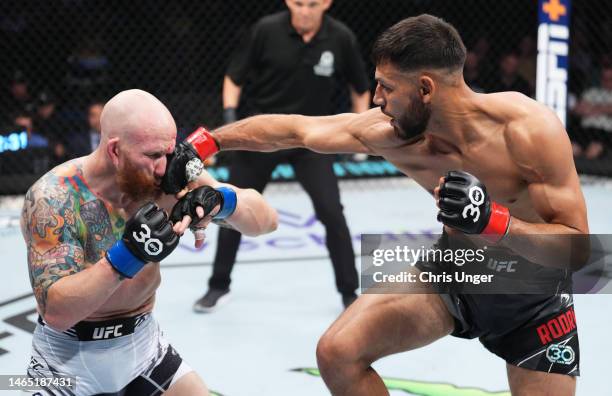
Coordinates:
532	331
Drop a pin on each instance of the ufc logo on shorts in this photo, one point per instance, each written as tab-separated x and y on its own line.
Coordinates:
477	198
102	333
499	266
152	246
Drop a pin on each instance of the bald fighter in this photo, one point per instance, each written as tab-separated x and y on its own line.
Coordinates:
451	140
96	229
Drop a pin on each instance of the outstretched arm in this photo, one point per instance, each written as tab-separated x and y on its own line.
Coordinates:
342	133
253	215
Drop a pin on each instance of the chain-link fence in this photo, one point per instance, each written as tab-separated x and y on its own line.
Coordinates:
589	121
61	59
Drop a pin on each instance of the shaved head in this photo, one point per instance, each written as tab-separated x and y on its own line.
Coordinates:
134	116
138	132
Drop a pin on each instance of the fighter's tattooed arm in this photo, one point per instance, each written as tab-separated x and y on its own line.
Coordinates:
69	274
50	232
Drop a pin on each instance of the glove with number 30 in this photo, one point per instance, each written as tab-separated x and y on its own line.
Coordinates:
466	206
148	237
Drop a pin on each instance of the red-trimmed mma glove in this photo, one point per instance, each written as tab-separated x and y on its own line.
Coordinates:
466	206
186	162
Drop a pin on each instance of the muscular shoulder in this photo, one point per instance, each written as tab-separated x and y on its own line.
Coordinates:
530	122
534	135
49	207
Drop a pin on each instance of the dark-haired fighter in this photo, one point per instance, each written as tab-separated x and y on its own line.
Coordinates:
429	122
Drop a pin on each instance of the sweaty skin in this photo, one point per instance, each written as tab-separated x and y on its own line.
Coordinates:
76	212
517	147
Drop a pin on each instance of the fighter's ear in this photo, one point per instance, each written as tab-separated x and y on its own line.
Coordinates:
427	87
112	150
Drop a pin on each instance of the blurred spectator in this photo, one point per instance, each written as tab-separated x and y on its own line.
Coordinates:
19	97
24	122
471	72
581	60
88	69
22	150
486	68
507	77
481	47
595	108
48	124
87	141
527	61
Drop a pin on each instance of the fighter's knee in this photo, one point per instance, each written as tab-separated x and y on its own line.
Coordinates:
335	352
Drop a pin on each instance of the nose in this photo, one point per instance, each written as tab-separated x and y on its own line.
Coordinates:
160	167
378	99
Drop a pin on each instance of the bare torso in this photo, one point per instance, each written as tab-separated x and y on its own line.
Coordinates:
67	218
487	156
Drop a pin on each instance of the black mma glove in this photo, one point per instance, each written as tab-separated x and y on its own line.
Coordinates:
148	237
208	198
466	206
185	163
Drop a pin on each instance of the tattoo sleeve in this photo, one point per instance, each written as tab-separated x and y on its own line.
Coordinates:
50	233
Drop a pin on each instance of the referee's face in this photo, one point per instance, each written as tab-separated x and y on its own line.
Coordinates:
306	15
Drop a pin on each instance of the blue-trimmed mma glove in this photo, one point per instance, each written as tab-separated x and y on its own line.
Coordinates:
148	237
208	198
466	206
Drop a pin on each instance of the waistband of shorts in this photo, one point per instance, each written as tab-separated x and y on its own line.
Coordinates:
104	329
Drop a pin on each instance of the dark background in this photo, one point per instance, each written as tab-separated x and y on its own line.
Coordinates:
86	50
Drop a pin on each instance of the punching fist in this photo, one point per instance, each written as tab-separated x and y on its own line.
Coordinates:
186	162
466	206
207	198
148	237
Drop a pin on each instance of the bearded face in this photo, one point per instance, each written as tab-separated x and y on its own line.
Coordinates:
136	182
413	122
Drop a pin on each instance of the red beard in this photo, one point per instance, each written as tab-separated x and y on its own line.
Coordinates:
137	184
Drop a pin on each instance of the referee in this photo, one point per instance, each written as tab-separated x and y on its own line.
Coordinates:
295	62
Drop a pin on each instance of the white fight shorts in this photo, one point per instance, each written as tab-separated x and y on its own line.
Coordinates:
127	356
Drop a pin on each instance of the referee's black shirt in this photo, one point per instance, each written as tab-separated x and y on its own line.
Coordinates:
289	76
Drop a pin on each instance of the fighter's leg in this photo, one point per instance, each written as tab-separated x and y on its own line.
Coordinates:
525	382
188	385
374	326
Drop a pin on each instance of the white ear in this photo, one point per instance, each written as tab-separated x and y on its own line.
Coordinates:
112	150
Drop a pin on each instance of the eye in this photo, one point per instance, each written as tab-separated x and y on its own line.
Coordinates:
155	155
385	87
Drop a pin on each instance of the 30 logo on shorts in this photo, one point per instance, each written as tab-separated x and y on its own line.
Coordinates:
560	353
